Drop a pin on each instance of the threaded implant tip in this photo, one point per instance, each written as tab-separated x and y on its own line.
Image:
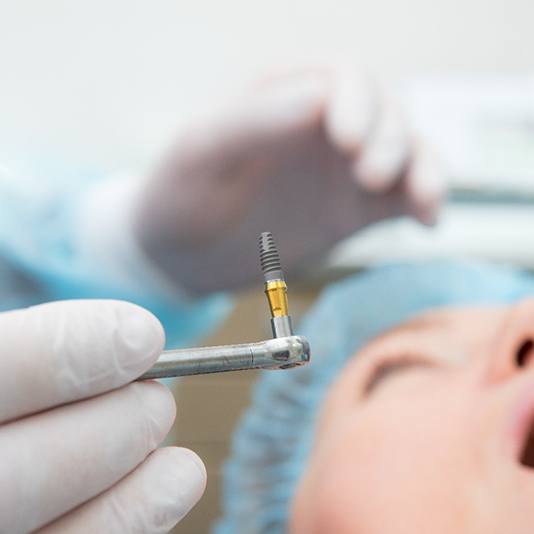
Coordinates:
269	258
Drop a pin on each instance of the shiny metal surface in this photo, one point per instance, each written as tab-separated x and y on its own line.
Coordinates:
279	353
282	326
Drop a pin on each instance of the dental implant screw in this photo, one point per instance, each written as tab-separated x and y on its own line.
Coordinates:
269	258
275	286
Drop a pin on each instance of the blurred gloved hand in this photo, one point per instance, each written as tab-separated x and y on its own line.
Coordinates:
310	156
77	445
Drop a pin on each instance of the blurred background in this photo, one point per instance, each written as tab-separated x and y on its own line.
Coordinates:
107	84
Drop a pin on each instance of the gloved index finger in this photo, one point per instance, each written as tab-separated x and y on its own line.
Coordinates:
57	353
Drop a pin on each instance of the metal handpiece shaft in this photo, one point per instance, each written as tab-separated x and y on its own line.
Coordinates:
279	353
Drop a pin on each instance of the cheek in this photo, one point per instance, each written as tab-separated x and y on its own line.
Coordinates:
397	458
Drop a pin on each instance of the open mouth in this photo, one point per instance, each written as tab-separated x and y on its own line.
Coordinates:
524	357
527	452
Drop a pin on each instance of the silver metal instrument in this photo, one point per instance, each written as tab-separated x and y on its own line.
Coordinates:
284	351
278	353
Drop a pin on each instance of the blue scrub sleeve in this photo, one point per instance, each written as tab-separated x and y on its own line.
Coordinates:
51	221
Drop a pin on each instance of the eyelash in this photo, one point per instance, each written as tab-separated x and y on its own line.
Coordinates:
387	364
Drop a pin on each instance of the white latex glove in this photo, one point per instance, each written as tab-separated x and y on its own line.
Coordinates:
77	445
310	156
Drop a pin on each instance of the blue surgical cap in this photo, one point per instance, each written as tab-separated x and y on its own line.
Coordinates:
274	438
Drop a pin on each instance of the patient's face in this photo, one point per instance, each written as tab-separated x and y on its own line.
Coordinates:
427	431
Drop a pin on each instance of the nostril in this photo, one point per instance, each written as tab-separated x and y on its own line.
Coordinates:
524	353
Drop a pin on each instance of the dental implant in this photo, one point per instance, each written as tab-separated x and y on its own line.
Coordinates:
275	286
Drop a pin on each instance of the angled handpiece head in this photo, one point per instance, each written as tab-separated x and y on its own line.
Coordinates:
283	352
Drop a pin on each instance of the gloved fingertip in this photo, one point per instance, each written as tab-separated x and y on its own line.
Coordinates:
428	217
427	191
382	164
347	136
141	334
191	457
189	478
284	106
426	200
349	111
371	179
160	407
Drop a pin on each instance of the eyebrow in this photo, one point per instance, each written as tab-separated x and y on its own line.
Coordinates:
387	369
417	324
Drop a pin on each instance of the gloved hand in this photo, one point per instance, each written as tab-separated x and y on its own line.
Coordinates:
310	156
77	445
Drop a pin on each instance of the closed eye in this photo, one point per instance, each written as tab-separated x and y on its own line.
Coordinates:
388	368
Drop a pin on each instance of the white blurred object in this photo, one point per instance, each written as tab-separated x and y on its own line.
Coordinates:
265	162
483	127
111	80
491	232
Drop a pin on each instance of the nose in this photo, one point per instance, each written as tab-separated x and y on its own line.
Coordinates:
513	343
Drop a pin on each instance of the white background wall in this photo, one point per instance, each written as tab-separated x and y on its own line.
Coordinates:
110	80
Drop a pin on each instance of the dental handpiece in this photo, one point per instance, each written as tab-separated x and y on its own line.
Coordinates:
281	353
284	351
